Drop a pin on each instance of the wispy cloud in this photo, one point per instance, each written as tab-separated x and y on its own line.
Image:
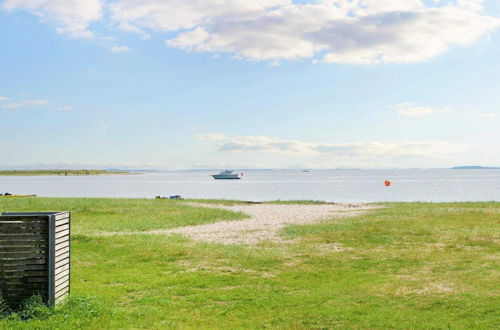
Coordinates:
211	137
407	109
120	49
3	98
71	17
66	108
355	149
357	154
22	104
488	115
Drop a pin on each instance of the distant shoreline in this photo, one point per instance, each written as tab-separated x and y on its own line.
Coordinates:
61	172
474	168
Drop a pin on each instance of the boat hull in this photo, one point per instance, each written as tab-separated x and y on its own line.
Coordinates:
226	177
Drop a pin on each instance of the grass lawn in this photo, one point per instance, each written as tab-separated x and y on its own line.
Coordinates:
408	265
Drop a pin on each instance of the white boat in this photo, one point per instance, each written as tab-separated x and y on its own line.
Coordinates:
226	175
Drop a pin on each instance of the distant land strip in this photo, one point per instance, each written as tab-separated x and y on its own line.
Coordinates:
474	168
61	172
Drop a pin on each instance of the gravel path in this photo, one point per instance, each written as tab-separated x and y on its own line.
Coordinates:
265	221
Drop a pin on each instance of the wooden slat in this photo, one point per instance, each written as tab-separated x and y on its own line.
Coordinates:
62	257
22	295
62	251
17	255
23	218
14	268
23	273
62	283
62	227
27	218
62	239
63	280
62	215
23	236
25	261
22	249
61	263
7	232
62	292
62	222
12	243
22	222
23	230
62	233
24	280
26	286
62	245
62	269
23	227
62	274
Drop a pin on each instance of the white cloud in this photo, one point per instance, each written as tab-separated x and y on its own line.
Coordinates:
66	108
488	115
71	17
211	137
407	109
355	149
354	31
335	31
3	98
22	104
283	152
120	49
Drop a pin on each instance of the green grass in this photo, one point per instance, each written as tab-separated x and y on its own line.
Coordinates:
226	202
403	266
95	215
59	172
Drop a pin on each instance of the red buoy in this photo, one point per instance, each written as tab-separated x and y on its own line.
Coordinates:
387	183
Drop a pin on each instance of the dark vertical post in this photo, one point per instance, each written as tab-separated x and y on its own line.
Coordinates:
51	260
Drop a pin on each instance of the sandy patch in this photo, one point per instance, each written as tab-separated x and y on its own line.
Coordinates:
264	222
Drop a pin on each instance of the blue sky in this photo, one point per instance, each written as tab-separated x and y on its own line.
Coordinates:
324	84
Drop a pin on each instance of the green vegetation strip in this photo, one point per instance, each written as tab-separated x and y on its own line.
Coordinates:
59	172
404	266
96	215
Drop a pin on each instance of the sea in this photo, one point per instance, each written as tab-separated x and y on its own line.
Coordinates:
348	186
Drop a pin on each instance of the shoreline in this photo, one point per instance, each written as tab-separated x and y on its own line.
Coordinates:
82	172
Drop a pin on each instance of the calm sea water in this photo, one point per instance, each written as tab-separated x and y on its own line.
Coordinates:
261	185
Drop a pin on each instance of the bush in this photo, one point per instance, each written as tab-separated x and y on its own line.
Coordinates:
5	310
32	307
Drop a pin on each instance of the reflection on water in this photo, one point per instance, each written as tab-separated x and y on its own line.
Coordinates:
259	185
